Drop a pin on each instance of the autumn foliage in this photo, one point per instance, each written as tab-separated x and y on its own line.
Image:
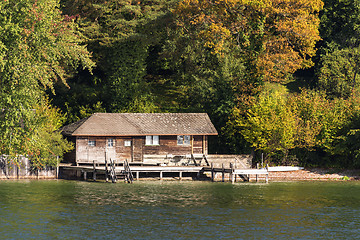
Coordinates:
279	36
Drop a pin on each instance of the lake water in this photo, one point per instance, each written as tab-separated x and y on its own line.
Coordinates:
179	210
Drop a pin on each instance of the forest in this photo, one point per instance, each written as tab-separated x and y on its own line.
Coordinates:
277	77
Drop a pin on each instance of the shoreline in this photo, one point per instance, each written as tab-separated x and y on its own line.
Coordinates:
307	174
316	174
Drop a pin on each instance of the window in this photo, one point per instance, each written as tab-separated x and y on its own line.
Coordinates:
152	140
127	143
183	140
110	142
92	143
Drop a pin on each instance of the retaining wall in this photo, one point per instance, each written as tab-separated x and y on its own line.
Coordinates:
240	161
10	170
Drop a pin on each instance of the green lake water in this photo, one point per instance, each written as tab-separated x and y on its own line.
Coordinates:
179	210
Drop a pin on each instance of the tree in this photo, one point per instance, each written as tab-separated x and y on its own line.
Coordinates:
277	37
120	34
339	25
279	122
338	66
269	125
44	143
38	47
339	72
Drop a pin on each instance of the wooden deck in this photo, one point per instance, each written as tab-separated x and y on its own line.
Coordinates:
123	170
119	170
233	172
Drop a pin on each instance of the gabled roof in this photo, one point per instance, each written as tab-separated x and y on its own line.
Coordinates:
141	124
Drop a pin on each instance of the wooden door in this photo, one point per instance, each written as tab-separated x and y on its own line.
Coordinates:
137	153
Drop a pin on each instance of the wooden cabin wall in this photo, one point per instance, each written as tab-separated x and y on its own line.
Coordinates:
87	154
123	152
168	145
137	150
198	144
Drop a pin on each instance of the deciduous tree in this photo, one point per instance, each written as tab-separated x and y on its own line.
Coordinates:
277	37
38	47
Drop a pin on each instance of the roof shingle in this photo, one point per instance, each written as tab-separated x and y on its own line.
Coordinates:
142	124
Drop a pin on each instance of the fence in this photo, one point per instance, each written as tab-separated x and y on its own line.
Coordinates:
9	169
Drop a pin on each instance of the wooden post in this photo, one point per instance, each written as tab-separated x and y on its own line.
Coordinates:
26	165
257	167
161	175
132	148
94	171
203	145
6	168
223	172
18	169
180	175
192	144
106	171
230	174
212	172
57	167
85	175
233	180
267	174
137	175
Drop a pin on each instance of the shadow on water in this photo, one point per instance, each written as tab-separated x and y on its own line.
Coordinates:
179	210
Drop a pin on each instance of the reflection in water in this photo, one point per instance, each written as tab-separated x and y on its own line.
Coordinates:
184	210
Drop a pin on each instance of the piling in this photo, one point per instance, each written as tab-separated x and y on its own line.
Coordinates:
267	175
232	173
223	172
212	172
94	171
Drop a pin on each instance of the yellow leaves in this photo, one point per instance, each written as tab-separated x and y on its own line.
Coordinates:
219	32
279	121
290	37
269	124
259	5
207	19
286	30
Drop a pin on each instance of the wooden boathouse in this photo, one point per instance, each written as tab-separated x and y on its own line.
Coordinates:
146	138
113	143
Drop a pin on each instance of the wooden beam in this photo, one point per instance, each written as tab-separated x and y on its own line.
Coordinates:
212	172
204	144
106	171
223	172
94	171
192	144
232	173
132	148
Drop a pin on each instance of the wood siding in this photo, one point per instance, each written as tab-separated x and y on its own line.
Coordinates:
137	150
87	154
168	145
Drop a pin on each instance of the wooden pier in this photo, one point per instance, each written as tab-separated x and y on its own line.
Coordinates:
128	171
112	171
233	172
